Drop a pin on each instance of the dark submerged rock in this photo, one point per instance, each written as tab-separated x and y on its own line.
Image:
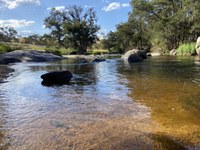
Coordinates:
5	71
8	60
56	78
96	60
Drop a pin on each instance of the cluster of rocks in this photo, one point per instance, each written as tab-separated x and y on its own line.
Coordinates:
63	77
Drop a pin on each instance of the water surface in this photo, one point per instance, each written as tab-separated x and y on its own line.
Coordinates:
154	104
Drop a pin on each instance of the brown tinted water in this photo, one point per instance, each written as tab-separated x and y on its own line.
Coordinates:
154	104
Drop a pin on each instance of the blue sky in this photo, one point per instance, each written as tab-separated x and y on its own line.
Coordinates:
27	16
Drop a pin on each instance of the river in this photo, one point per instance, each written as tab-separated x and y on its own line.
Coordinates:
154	104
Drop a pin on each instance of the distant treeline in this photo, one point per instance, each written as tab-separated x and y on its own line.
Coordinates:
162	23
166	24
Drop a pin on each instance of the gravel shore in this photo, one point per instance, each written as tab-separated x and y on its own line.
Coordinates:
4	72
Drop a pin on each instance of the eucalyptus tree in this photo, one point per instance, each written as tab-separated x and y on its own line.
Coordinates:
73	27
171	21
7	34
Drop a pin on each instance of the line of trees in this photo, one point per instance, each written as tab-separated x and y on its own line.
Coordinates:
164	23
73	27
7	34
161	23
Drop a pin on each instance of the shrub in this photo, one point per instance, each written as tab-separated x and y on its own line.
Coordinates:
59	51
186	49
97	52
4	48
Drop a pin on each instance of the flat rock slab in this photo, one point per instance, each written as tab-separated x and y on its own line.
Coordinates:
27	56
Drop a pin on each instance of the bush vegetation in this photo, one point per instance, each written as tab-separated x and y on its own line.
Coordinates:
186	49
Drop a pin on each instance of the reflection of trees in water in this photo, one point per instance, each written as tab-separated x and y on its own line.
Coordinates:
83	74
165	86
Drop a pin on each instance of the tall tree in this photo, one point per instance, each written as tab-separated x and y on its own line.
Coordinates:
171	21
7	34
73	27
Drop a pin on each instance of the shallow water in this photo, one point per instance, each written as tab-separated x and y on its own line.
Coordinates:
154	104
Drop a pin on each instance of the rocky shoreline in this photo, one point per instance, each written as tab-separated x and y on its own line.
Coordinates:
4	72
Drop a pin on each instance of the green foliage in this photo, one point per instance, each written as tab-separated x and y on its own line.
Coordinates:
169	23
73	28
4	48
98	52
7	34
129	35
59	51
186	49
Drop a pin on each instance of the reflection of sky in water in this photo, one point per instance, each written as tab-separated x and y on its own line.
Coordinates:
97	92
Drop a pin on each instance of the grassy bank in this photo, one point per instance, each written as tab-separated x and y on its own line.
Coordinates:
8	47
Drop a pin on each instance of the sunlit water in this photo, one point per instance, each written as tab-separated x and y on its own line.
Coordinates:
154	104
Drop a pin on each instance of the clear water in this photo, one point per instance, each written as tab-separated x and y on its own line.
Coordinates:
154	104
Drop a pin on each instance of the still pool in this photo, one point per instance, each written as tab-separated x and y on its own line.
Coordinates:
154	104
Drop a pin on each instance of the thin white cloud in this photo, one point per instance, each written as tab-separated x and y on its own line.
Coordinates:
15	23
105	1
125	5
115	5
25	33
58	8
11	4
86	6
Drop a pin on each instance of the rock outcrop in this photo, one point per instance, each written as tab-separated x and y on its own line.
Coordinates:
197	47
172	52
27	56
96	60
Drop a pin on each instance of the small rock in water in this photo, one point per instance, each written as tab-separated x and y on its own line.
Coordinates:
98	60
56	78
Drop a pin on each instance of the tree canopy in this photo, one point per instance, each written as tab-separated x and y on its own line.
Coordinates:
164	23
73	27
7	34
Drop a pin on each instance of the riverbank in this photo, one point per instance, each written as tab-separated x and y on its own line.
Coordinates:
4	72
91	56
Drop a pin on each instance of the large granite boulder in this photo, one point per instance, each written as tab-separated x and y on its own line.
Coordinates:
134	55
56	78
172	52
197	47
27	56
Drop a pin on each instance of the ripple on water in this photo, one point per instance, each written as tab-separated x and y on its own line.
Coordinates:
109	105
